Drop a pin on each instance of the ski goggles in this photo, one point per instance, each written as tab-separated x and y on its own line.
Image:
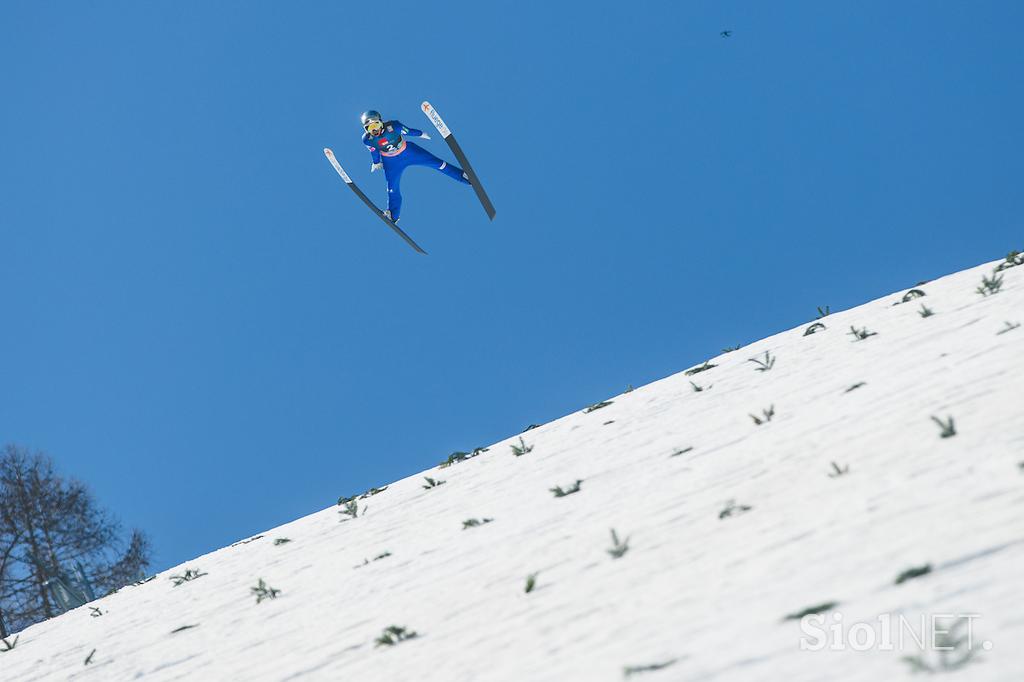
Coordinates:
374	127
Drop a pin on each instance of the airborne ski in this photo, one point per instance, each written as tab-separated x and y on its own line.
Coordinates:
366	200
446	133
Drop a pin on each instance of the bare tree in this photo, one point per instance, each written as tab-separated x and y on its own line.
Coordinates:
49	525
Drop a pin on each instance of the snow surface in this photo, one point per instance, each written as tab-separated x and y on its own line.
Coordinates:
704	594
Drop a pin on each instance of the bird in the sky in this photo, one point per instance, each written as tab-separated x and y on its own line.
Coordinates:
725	34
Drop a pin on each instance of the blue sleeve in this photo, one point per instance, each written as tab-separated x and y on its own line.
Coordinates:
374	152
406	130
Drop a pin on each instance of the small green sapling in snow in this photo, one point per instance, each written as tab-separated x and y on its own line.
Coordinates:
1008	328
393	634
911	573
948	428
351	510
575	488
838	471
860	334
618	547
531	582
768	414
990	285
763	365
812	610
631	670
702	368
521	449
186	577
733	509
264	591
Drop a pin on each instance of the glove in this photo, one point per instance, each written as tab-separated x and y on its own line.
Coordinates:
425	136
376	167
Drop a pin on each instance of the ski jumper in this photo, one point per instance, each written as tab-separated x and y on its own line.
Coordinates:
397	154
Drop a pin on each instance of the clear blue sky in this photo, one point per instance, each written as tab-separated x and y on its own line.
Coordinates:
202	323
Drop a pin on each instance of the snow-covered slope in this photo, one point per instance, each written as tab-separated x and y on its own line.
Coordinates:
730	525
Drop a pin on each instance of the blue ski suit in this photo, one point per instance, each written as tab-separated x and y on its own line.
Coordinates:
397	154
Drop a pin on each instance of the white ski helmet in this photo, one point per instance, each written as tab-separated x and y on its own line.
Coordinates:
371	119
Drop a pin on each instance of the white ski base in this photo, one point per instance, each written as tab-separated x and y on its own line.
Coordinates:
436	119
337	166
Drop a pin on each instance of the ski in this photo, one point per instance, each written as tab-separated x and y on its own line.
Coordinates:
446	133
366	200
